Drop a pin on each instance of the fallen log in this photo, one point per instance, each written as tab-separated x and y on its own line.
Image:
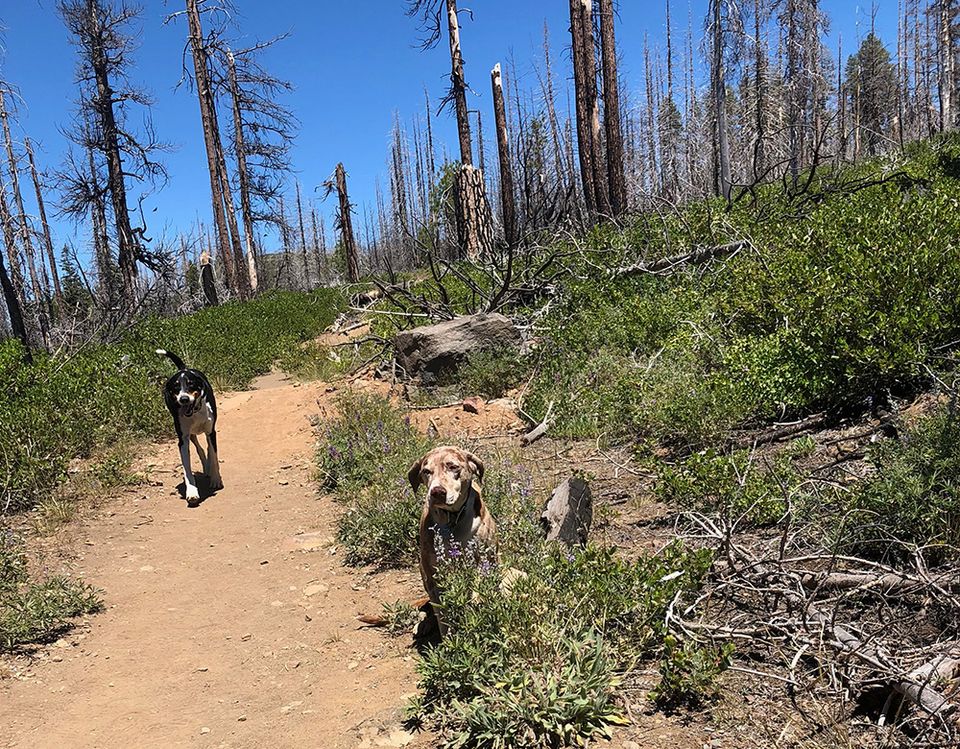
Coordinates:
695	257
538	431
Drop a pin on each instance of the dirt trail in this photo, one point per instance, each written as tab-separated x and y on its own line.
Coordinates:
224	627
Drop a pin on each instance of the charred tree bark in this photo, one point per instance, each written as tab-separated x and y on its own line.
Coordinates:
211	137
206	281
946	81
318	241
246	211
719	85
346	227
116	186
611	111
303	241
47	238
458	84
508	208
39	295
13	283
13	308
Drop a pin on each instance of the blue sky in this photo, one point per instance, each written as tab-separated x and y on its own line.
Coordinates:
353	65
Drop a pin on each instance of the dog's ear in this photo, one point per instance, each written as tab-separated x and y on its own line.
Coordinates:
477	464
413	475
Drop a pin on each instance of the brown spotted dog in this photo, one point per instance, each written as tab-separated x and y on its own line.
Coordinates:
453	510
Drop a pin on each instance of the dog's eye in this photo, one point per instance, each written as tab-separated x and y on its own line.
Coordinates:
426	471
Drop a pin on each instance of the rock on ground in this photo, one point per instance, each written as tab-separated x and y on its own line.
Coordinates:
433	349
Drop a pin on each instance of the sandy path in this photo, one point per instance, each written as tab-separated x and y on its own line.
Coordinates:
221	629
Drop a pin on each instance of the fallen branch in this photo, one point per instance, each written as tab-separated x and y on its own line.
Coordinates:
537	432
696	257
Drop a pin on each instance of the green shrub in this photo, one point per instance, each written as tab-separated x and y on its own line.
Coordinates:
913	500
539	665
736	485
492	373
689	673
36	610
364	455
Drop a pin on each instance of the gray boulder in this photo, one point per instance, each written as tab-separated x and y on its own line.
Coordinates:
433	349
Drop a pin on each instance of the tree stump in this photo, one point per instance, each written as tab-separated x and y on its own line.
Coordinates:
568	513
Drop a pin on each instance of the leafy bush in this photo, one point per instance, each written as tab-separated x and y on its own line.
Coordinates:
689	672
64	406
913	500
737	485
538	665
31	610
364	455
491	373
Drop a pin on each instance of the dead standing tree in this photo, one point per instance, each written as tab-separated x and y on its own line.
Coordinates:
224	218
508	208
100	31
474	231
345	223
590	147
611	111
23	224
44	224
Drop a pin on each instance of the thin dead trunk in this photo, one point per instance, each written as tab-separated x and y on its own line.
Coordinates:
116	185
303	241
39	295
611	111
946	81
346	227
458	84
246	211
508	208
48	240
719	102
13	283
584	130
211	138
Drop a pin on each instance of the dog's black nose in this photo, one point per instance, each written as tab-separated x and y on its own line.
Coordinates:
184	399
438	492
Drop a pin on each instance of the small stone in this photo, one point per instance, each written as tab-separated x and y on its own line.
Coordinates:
283	482
631	745
242	718
203	668
146	568
246	636
312	590
204	730
264	561
472	405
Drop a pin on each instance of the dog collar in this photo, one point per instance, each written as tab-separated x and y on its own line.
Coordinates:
459	514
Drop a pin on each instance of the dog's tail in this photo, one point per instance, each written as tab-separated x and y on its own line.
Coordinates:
177	361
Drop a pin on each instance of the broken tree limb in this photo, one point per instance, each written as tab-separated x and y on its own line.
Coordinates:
537	432
667	264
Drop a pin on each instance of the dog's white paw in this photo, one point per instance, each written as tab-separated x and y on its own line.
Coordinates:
193	493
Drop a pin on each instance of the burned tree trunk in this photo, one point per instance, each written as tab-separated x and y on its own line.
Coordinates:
719	86
474	230
303	241
39	295
48	240
458	84
109	132
568	514
246	211
346	227
503	150
211	137
206	281
611	111
13	308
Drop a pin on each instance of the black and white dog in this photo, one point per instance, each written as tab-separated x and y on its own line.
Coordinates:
190	399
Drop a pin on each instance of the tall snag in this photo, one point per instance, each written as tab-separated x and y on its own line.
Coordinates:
508	208
345	223
47	238
611	111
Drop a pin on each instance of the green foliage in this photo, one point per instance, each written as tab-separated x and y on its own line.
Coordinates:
689	673
491	373
364	455
737	485
65	406
844	292
914	497
36	610
538	665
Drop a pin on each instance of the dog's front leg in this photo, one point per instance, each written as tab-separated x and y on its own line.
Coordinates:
213	461
192	492
203	456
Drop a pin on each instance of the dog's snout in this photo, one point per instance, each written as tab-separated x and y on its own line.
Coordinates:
438	492
184	398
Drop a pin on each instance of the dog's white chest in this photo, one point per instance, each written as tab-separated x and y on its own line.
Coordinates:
200	422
